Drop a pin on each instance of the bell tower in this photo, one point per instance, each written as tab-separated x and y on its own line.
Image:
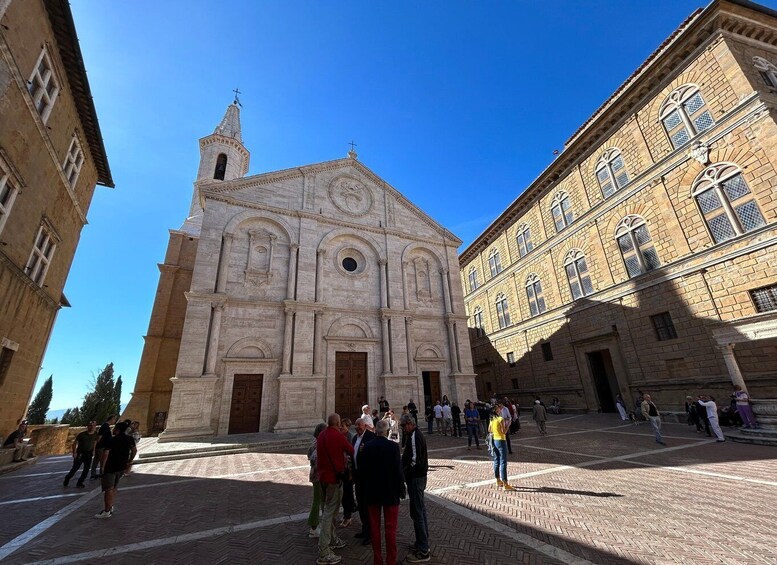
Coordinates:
223	157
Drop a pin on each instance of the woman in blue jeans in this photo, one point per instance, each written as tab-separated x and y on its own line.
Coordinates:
498	428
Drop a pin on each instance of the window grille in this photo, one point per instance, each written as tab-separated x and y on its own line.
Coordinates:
562	211
636	247
611	172
534	295
523	240
664	327
502	311
494	264
577	274
684	114
765	299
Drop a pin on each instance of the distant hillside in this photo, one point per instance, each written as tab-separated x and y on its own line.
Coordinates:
58	413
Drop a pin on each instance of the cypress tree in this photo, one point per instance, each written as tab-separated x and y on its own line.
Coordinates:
99	404
36	413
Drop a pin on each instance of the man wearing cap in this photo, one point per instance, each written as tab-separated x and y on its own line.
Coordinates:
540	416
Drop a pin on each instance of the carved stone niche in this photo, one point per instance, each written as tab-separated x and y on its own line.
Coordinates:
423	281
261	248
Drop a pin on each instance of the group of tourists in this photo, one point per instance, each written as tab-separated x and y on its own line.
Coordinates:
371	462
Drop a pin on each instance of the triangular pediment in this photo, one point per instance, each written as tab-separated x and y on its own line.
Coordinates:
343	189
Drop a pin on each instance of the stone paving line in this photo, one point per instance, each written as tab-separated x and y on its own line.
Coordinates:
493	511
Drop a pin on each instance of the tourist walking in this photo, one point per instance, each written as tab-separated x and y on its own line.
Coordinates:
117	454
743	407
361	439
438	416
651	413
83	451
413	410
472	418
314	518
447	419
381	465
104	439
498	428
456	415
415	465
540	415
708	402
621	406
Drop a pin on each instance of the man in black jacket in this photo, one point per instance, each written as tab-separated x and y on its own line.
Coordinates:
415	464
360	440
384	485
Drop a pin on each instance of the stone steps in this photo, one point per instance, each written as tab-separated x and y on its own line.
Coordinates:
211	450
754	437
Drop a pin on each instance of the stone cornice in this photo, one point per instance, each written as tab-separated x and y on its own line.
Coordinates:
760	326
211	187
321	220
22	277
748	109
697	33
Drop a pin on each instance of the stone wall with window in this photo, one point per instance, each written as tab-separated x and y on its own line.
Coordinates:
46	184
673	210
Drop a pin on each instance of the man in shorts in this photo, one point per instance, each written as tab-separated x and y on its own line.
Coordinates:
119	452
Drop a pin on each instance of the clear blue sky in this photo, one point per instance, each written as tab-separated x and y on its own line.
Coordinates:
457	104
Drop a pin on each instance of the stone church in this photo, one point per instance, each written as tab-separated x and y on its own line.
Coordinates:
289	295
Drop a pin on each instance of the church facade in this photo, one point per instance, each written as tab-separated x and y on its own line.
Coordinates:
289	295
644	258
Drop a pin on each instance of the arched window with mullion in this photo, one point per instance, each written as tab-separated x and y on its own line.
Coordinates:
577	274
611	172
534	295
477	320
494	263
502	311
523	240
473	279
684	114
725	201
636	246
562	211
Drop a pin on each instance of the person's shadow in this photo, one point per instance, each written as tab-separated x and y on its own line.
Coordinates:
552	490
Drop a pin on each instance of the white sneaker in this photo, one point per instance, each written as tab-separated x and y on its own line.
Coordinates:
314	532
104	514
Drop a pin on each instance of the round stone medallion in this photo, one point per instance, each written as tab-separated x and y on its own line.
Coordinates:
350	196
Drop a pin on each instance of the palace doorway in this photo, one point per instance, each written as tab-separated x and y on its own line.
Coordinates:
246	404
605	381
350	383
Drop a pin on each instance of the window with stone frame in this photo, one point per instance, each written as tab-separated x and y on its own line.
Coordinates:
6	355
562	211
494	263
577	274
664	327
473	279
43	85
767	70
511	359
684	114
502	311
42	253
636	246
74	160
765	299
725	201
9	188
477	320
523	240
611	172
534	294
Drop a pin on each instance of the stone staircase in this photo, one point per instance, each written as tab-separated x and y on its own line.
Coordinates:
151	451
759	436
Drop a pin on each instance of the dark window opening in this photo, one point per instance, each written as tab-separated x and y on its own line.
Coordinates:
511	359
765	299
664	327
547	352
221	167
515	382
488	386
6	354
349	264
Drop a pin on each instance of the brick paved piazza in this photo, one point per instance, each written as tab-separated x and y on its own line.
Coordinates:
592	491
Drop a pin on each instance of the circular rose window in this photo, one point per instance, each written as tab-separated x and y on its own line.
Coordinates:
350	264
